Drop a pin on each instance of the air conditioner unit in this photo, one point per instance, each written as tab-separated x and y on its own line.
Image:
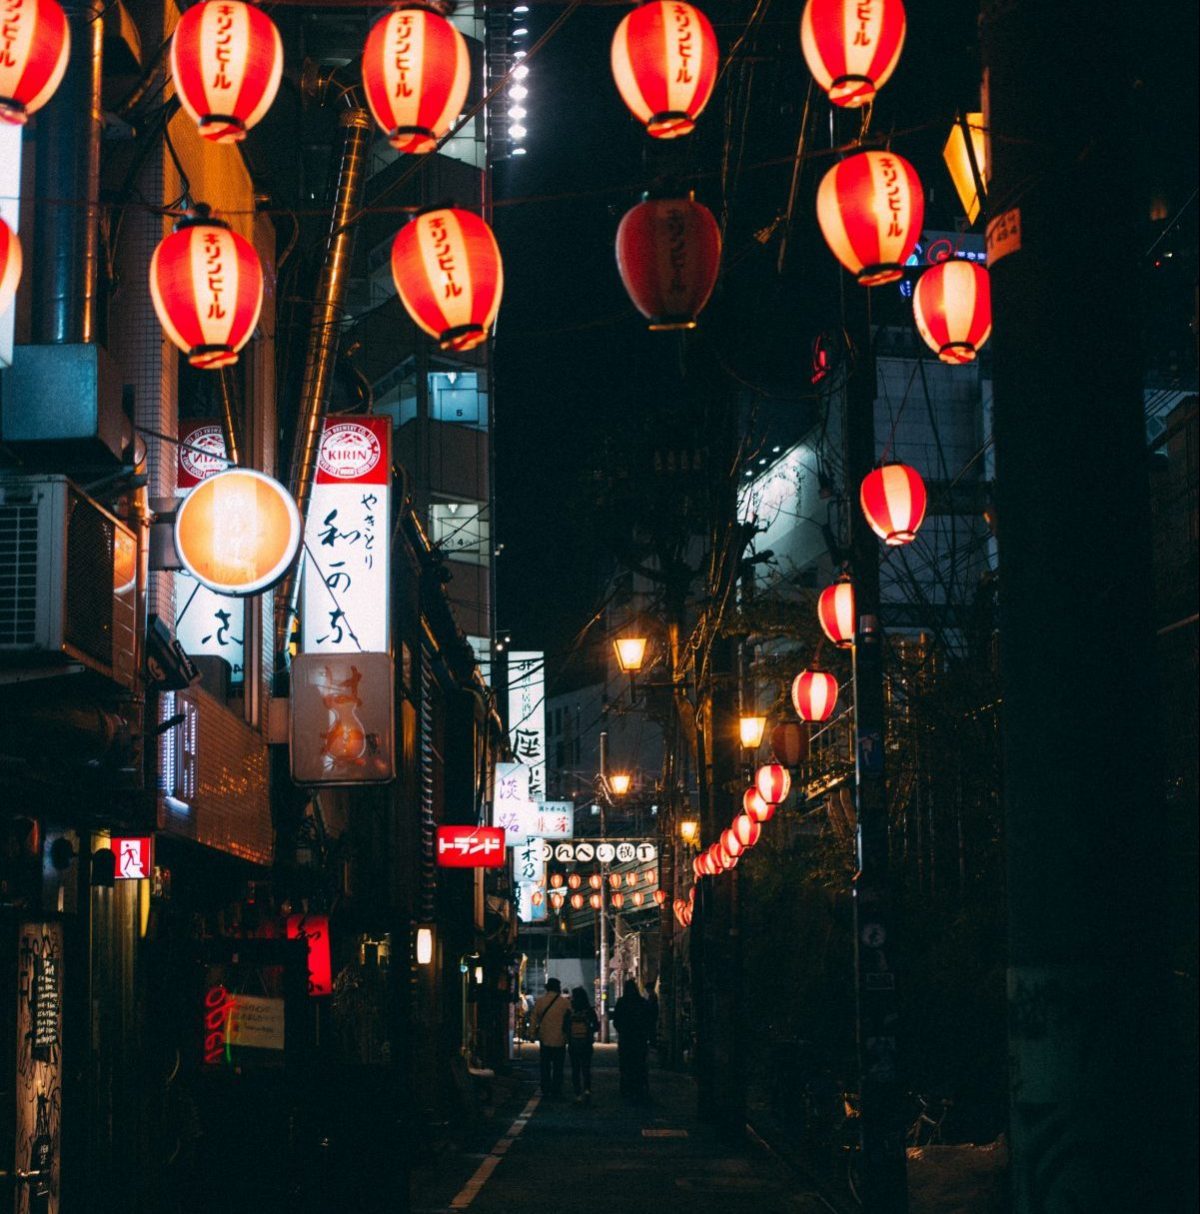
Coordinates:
68	579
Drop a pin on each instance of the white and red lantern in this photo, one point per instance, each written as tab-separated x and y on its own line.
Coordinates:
448	273
206	283
773	783
814	695
664	60
852	46
226	62
952	305
756	807
556	900
660	896
618	900
836	614
893	499
35	44
717	860
870	207
10	264
731	845
669	254
594	901
747	830
577	902
415	72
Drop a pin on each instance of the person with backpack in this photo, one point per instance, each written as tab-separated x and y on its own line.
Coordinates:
582	1027
549	1026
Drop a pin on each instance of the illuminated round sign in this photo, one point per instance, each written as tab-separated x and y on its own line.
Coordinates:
237	532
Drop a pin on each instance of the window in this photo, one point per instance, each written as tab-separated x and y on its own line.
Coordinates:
460	531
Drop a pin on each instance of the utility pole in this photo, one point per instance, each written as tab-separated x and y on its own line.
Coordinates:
884	1176
1089	986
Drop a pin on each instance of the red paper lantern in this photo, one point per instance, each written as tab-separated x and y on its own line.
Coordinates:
660	896
664	60
35	44
773	783
731	845
594	901
870	207
669	253
415	73
727	858
814	695
574	880
577	901
893	499
789	743
686	920
747	830
206	283
639	898
952	305
698	866
618	900
756	807
836	614
716	860
614	879
852	46
448	273
556	901
226	62
595	881
10	264
556	880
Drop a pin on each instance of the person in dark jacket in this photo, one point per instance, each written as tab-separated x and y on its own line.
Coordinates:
631	1018
582	1027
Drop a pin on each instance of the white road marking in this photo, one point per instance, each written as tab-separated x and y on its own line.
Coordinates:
474	1186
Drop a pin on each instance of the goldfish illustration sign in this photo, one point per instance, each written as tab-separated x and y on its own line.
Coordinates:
342	725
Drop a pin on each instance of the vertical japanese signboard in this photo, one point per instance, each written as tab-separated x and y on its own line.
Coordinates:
314	931
347	537
527	716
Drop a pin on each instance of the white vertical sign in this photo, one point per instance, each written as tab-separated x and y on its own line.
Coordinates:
10	212
527	716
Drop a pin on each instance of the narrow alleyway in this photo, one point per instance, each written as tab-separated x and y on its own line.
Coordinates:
553	1155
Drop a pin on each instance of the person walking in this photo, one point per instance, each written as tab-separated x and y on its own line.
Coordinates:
582	1027
548	1023
631	1018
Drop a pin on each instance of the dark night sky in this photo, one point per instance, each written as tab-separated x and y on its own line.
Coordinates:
574	366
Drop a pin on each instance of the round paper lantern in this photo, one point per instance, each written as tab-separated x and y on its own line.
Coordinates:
716	860
686	918
773	783
574	880
669	253
594	901
10	264
698	866
595	881
728	859
631	878
664	60
614	879
756	807
35	44
747	830
577	902
852	46
415	73
789	743
835	612
731	845
870	207
660	896
639	898
814	694
556	900
226	62
893	499
207	287
618	900
649	876
952	305
556	880
447	270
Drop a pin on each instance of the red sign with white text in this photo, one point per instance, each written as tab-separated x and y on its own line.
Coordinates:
201	453
134	860
470	846
314	930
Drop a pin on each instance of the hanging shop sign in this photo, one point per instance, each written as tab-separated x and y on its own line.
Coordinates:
347	539
470	847
342	727
620	851
314	931
520	819
527	716
134	858
256	1022
529	862
237	532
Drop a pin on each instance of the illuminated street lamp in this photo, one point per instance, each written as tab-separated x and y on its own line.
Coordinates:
751	730
619	783
689	831
424	945
966	160
631	653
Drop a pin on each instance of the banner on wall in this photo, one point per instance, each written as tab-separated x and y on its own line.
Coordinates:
527	716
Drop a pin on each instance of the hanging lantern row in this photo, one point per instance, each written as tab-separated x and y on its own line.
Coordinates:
36	47
814	695
10	264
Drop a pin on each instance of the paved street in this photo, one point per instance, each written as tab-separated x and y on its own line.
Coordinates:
554	1155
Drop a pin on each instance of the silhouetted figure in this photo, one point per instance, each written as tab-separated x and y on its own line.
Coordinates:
631	1018
582	1027
549	1029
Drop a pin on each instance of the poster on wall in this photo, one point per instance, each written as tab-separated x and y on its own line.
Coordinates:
527	716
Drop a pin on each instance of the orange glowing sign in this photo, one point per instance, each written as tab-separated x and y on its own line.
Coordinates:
237	532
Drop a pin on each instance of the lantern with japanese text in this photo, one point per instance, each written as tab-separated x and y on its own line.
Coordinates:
415	74
731	845
448	273
756	806
10	264
835	612
35	44
852	46
206	284
893	500
814	695
870	207
660	896
226	62
773	783
577	902
668	253
747	830
664	60
952	305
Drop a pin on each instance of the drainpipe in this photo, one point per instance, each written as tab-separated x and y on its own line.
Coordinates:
322	343
228	416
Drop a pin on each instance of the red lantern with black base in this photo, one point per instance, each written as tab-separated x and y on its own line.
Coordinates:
747	830
814	695
756	806
893	500
852	46
952	306
773	783
10	264
835	612
35	44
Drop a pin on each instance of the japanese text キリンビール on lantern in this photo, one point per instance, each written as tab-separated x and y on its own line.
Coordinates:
668	253
952	305
415	72
773	783
893	500
35	44
664	60
206	284
870	207
226	62
10	264
852	46
447	270
814	694
835	612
